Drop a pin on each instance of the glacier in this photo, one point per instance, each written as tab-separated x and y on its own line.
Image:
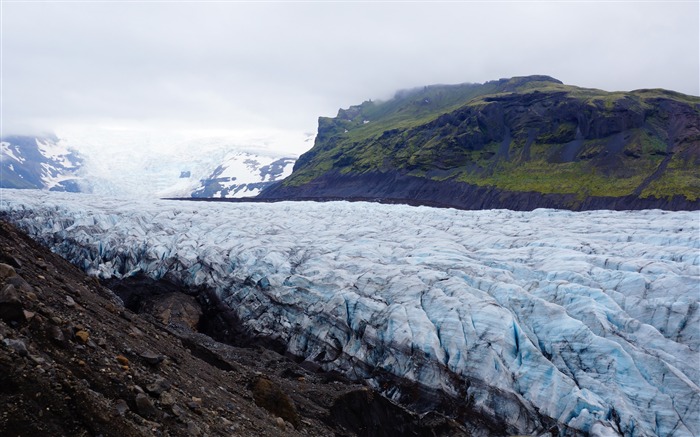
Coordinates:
139	164
145	163
585	320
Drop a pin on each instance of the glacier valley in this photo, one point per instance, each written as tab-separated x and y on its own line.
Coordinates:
550	322
141	166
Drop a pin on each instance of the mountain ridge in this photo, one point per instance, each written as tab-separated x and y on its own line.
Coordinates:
39	163
532	136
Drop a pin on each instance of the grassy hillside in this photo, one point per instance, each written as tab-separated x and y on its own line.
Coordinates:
527	134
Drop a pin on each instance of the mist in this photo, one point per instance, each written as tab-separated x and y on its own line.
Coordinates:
203	67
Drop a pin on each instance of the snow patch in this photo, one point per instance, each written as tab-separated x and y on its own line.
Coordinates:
6	151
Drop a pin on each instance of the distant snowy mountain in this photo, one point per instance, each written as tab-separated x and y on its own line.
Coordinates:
136	165
222	172
244	174
39	162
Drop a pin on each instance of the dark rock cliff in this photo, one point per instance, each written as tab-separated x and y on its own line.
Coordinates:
403	188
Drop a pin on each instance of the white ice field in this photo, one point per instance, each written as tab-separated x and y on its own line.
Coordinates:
589	318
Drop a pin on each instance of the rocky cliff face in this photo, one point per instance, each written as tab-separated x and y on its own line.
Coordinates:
520	143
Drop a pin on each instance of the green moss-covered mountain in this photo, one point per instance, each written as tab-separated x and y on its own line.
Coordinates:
517	143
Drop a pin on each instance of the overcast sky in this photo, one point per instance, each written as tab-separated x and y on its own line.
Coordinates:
228	66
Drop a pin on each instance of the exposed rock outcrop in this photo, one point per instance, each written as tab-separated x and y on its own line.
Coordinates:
401	187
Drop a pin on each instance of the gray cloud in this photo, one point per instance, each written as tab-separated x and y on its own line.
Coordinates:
281	65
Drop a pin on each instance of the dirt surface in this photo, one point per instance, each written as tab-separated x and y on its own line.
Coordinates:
75	362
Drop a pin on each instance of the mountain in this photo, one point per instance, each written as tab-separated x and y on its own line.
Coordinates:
547	322
218	171
518	143
243	174
196	168
221	172
39	162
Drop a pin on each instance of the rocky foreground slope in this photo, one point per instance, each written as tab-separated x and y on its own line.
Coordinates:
520	143
75	362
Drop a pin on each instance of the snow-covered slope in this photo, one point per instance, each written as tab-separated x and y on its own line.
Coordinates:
585	320
38	162
244	174
128	164
148	164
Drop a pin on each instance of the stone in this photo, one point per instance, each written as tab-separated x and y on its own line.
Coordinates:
11	308
55	333
145	407
17	346
83	335
167	399
158	387
193	430
6	271
121	359
20	284
269	396
69	302
152	358
37	360
195	404
175	307
11	260
177	410
121	407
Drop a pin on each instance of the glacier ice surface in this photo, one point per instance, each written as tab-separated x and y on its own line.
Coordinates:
588	318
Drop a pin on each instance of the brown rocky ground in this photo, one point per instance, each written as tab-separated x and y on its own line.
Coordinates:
75	362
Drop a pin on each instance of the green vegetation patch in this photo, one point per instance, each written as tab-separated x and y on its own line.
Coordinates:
564	178
680	178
